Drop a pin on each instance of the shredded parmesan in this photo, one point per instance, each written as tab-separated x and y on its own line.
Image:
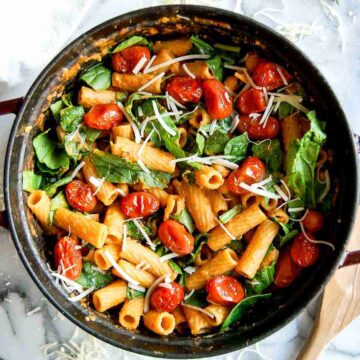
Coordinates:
186	69
161	120
168	257
155	78
150	291
149	64
258	191
254	116
262	182
296	209
142	165
281	193
82	295
267	111
212	127
302	218
140	111
137	287
139	65
283	78
244	70
232	93
170	99
192	157
141	149
291	101
98	183
208	313
73	284
228	164
315	241
234	123
175	60
132	124
123	274
166	285
204	133
189	269
228	233
77	169
144	234
188	296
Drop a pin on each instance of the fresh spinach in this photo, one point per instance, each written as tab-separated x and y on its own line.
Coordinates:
98	77
31	181
133	40
198	298
175	266
240	309
51	188
133	231
229	48
216	67
59	201
55	109
270	153
67	99
133	294
262	280
200	46
118	170
301	160
237	148
92	276
228	215
285	109
185	218
71	117
287	232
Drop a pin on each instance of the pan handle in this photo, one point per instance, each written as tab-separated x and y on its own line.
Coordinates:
11	106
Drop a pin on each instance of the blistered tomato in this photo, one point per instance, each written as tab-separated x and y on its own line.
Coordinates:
313	221
251	101
303	252
139	204
167	298
224	290
267	74
286	270
80	196
184	89
103	116
257	131
125	60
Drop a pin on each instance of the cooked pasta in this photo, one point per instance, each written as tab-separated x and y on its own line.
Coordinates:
100	258
110	296
88	97
114	220
208	178
131	313
162	323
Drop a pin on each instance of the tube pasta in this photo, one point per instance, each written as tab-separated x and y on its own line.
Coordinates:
232	83
199	68
217	201
177	47
198	205
124	131
254	254
199	118
162	323
153	157
145	278
204	256
224	261
106	193
78	224
88	97
114	221
250	199
220	314
237	226
101	260
179	316
162	56
209	178
269	204
181	141
132	82
197	321
161	194
131	313
280	215
174	206
110	296
221	169
137	253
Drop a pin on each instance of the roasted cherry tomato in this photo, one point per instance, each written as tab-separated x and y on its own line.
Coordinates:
286	270
251	101
267	74
103	116
313	221
251	170
175	237
224	290
184	89
80	196
66	254
218	101
139	204
125	60
166	298
303	252
257	131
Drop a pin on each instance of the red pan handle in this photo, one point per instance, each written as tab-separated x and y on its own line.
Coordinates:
10	106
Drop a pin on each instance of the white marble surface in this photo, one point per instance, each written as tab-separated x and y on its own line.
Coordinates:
22	335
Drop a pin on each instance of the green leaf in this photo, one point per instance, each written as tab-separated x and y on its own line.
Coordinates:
49	153
217	141
98	77
118	170
67	99
31	181
182	279
230	48
185	218
236	245
133	231
91	134
262	280
270	153
91	275
301	160
198	298
200	240
133	294
285	109
237	148
59	201
200	46
175	266
71	117
228	215
52	188
134	40
286	233
240	309
55	109
216	66
200	142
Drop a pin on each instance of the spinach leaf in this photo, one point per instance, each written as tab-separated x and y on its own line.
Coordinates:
133	231
285	109
59	201
131	41
217	141
182	279
200	142
98	77
240	309
216	67
55	109
237	148
52	187
91	134
228	215
133	294
66	99
31	181
91	275
71	117
200	46
118	170
270	153
185	218
301	160
198	298
262	280
175	266
200	240
286	233
49	153
235	245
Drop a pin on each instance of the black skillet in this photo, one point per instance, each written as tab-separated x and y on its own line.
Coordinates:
224	27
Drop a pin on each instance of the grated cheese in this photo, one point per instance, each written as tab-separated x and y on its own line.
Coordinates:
141	149
234	123
232	93
73	284
226	163
161	120
204	133
188	296
212	127
140	111
315	241
155	78
137	287
139	65
189	269
166	285
327	187
228	233
262	182
208	313
168	257
170	99
150	291
254	116
302	218
186	69
175	111
82	295
77	169
132	124
149	242
149	63
296	209
283	78
187	158
294	103
175	60
98	183
280	192
258	191
142	165
244	70
267	111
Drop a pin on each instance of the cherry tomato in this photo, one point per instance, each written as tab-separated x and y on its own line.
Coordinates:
218	101
184	89
314	221
103	116
66	254
125	60
166	299
251	170
80	196
224	290
286	270
251	101
175	237
303	252
252	60
257	131
266	74
139	204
